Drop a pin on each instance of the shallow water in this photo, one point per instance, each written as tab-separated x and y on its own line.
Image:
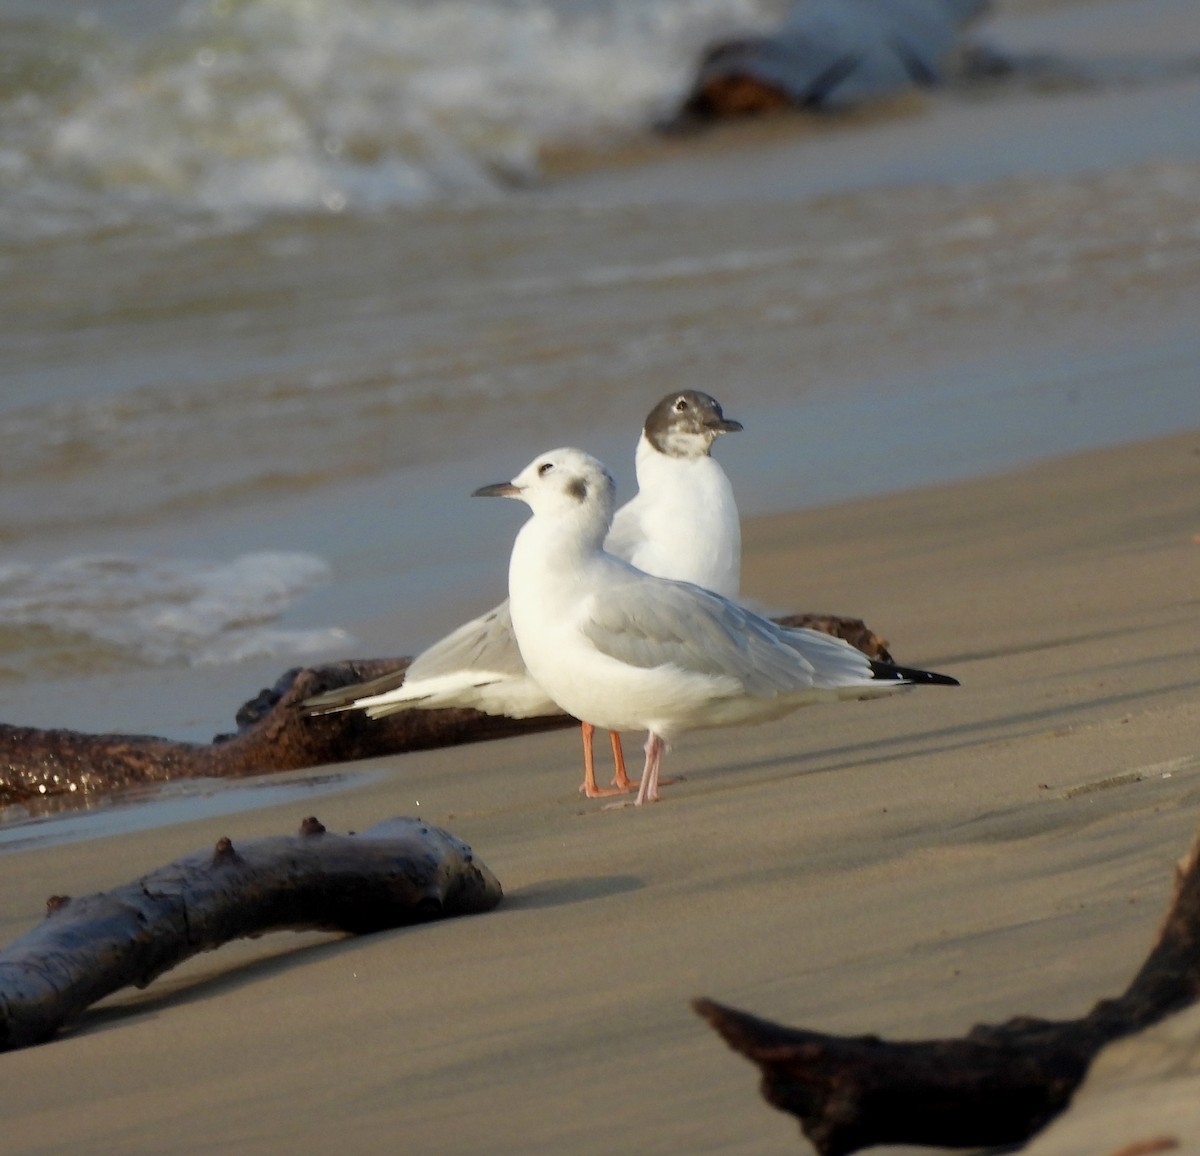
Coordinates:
22	828
236	436
115	111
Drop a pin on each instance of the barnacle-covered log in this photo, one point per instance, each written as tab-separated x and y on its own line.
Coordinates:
852	630
997	1085
274	734
398	872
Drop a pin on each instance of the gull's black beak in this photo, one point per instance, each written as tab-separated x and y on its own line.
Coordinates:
498	490
724	425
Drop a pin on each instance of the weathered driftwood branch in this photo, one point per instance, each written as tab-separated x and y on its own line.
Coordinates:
275	735
997	1085
399	872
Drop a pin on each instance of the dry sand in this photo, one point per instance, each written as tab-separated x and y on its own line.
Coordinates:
908	867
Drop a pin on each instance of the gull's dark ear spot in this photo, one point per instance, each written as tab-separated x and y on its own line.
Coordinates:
577	488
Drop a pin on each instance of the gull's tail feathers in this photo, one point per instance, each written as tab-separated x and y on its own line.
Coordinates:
347	697
477	689
463	688
392	692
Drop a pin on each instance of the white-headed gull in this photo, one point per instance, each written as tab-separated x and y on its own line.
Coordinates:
683	524
626	650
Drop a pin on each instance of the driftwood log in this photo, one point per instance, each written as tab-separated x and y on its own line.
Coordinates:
997	1085
399	872
275	735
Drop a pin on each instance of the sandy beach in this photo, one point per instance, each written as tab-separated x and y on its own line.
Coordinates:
907	867
241	410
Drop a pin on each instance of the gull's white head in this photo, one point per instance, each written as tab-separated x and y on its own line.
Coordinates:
562	483
685	424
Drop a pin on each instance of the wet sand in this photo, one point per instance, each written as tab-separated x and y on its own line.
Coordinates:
907	867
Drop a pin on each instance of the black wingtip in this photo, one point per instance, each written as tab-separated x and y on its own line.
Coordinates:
890	673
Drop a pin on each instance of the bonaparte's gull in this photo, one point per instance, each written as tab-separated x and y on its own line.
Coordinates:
682	524
626	650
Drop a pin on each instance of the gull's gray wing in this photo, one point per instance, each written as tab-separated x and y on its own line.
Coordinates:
485	643
649	622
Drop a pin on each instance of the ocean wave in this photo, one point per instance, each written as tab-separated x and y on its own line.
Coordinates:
236	106
105	611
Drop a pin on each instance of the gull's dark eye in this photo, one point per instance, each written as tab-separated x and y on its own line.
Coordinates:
545	468
680	404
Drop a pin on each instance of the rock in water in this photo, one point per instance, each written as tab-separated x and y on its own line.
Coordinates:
831	55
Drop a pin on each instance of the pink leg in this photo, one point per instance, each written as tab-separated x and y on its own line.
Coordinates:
648	793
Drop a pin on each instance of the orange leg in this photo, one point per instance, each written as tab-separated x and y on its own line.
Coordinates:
621	779
589	786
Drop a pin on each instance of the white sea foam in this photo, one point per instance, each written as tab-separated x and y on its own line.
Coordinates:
112	609
334	105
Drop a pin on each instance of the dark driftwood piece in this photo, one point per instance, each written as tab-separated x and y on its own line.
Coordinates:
274	734
399	872
997	1085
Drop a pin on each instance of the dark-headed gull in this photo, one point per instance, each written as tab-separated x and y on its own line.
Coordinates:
683	524
626	650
